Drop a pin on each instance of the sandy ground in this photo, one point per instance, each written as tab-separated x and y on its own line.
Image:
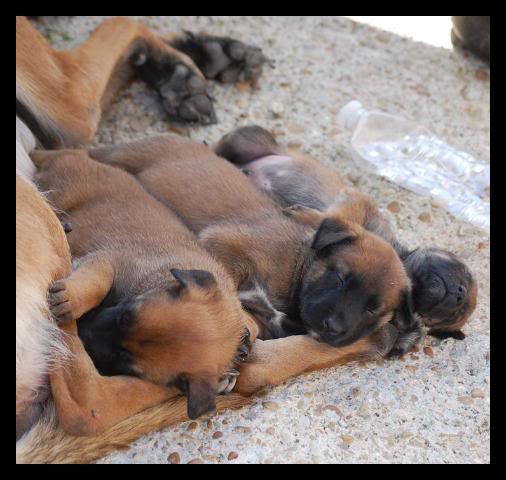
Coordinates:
424	409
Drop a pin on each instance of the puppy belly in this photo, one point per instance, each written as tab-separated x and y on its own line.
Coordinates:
265	170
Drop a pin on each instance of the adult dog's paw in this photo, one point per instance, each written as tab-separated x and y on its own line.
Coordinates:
223	58
181	88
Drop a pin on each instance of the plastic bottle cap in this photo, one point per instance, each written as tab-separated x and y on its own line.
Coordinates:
350	114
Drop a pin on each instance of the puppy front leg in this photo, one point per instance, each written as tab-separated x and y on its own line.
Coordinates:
83	290
271	362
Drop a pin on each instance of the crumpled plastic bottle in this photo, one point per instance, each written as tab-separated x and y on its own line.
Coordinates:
411	156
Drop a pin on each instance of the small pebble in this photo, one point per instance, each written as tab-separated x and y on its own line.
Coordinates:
277	109
477	393
425	217
333	408
192	426
217	435
428	351
232	455
270	405
482	75
353	178
174	458
394	207
466	400
347	439
195	461
243	87
482	245
242	429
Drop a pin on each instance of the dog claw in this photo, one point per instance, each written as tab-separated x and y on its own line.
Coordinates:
228	382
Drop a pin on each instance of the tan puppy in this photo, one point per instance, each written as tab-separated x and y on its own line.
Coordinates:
444	291
151	302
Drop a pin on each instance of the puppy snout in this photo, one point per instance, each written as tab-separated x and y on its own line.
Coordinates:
331	325
461	294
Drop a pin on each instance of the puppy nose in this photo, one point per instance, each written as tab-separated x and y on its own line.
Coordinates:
461	294
330	324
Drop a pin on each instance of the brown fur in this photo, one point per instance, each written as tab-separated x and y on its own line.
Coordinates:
39	345
291	178
67	91
125	243
242	228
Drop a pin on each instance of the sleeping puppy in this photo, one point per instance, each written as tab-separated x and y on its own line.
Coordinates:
152	304
338	282
444	291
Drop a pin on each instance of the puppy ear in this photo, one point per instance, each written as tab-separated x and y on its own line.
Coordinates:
246	144
201	278
331	232
201	397
305	215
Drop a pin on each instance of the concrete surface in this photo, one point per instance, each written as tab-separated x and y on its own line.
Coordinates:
425	409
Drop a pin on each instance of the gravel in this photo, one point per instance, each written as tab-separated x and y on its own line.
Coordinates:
433	407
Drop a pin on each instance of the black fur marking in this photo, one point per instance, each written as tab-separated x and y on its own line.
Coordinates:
441	334
331	233
201	278
103	331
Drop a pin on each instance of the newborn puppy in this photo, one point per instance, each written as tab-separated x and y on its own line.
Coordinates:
444	291
150	302
337	281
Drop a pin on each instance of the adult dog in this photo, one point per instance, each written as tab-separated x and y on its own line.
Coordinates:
60	98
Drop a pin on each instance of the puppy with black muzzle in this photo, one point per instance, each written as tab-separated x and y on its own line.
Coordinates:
444	291
340	283
150	302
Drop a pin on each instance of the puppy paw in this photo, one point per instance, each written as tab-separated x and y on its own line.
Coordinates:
223	58
182	91
405	342
383	341
227	383
60	302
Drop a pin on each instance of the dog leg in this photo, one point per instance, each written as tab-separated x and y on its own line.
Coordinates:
88	403
221	58
82	291
61	95
271	362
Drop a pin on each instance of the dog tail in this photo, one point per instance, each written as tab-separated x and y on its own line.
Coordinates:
47	443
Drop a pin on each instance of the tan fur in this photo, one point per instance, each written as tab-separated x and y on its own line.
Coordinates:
233	219
42	256
48	443
118	232
68	90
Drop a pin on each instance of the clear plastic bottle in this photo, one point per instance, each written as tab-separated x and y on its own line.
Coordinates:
411	156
